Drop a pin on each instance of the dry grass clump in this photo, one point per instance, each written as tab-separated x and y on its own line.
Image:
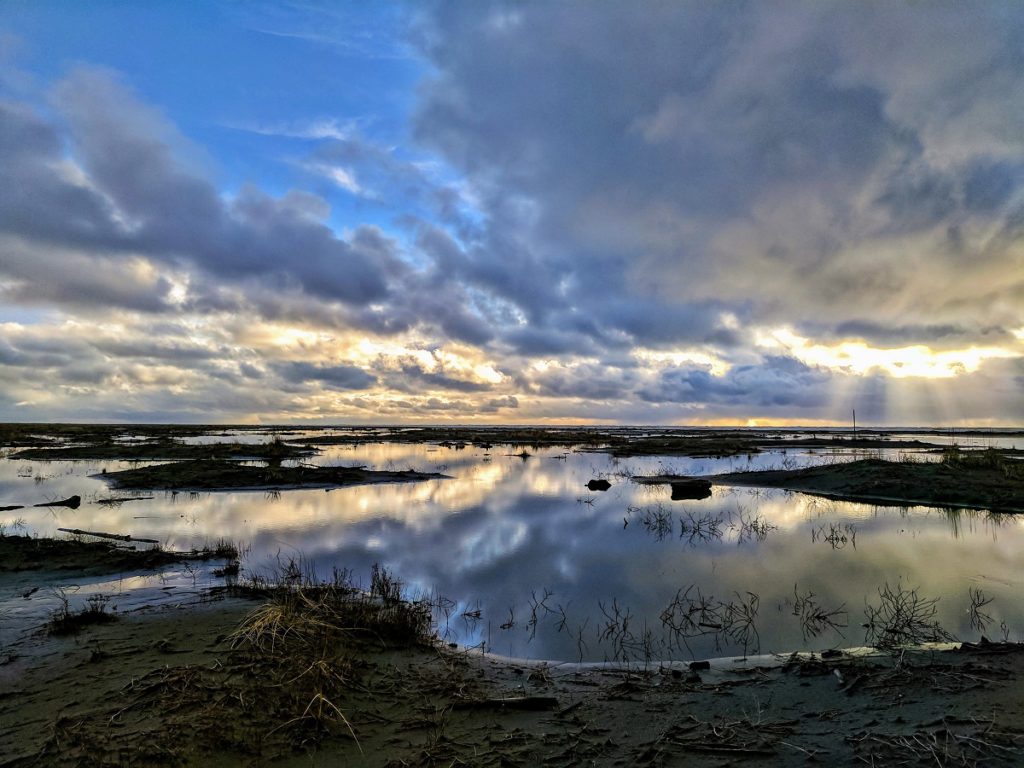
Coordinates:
308	636
304	612
312	665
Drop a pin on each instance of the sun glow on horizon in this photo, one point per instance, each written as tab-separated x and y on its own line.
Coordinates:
857	357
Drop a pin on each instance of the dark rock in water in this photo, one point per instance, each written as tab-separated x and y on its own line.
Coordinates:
700	665
693	488
72	502
683	486
599	485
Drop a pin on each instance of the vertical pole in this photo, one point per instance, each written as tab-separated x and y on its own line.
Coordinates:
854	423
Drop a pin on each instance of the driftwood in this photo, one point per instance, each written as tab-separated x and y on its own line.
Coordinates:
116	501
74	502
13	506
114	536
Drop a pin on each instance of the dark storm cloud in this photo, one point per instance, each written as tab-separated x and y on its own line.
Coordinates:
648	169
333	376
541	342
935	336
919	200
658	322
156	350
411	377
778	381
36	201
250	371
588	381
498	403
445	308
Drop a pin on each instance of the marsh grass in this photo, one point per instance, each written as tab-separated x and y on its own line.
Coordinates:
310	635
65	621
303	612
989	459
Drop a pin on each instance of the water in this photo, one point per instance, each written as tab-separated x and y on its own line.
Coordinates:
530	563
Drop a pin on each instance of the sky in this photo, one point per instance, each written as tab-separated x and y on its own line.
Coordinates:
679	213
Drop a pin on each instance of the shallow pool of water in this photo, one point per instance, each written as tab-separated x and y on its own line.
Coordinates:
522	559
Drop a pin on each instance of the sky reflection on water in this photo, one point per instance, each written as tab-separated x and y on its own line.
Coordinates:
504	532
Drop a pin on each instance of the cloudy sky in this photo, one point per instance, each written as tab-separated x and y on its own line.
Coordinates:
676	213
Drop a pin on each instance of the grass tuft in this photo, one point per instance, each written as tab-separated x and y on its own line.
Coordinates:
64	621
310	635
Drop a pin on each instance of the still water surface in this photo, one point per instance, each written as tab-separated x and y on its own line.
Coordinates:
530	563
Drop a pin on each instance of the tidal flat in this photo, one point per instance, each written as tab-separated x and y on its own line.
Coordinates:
525	598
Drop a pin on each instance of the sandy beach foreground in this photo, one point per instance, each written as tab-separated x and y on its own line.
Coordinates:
232	680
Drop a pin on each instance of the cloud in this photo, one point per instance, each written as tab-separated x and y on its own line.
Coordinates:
334	376
649	170
602	208
778	382
128	192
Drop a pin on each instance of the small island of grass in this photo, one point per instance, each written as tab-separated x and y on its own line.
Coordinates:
221	475
961	479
